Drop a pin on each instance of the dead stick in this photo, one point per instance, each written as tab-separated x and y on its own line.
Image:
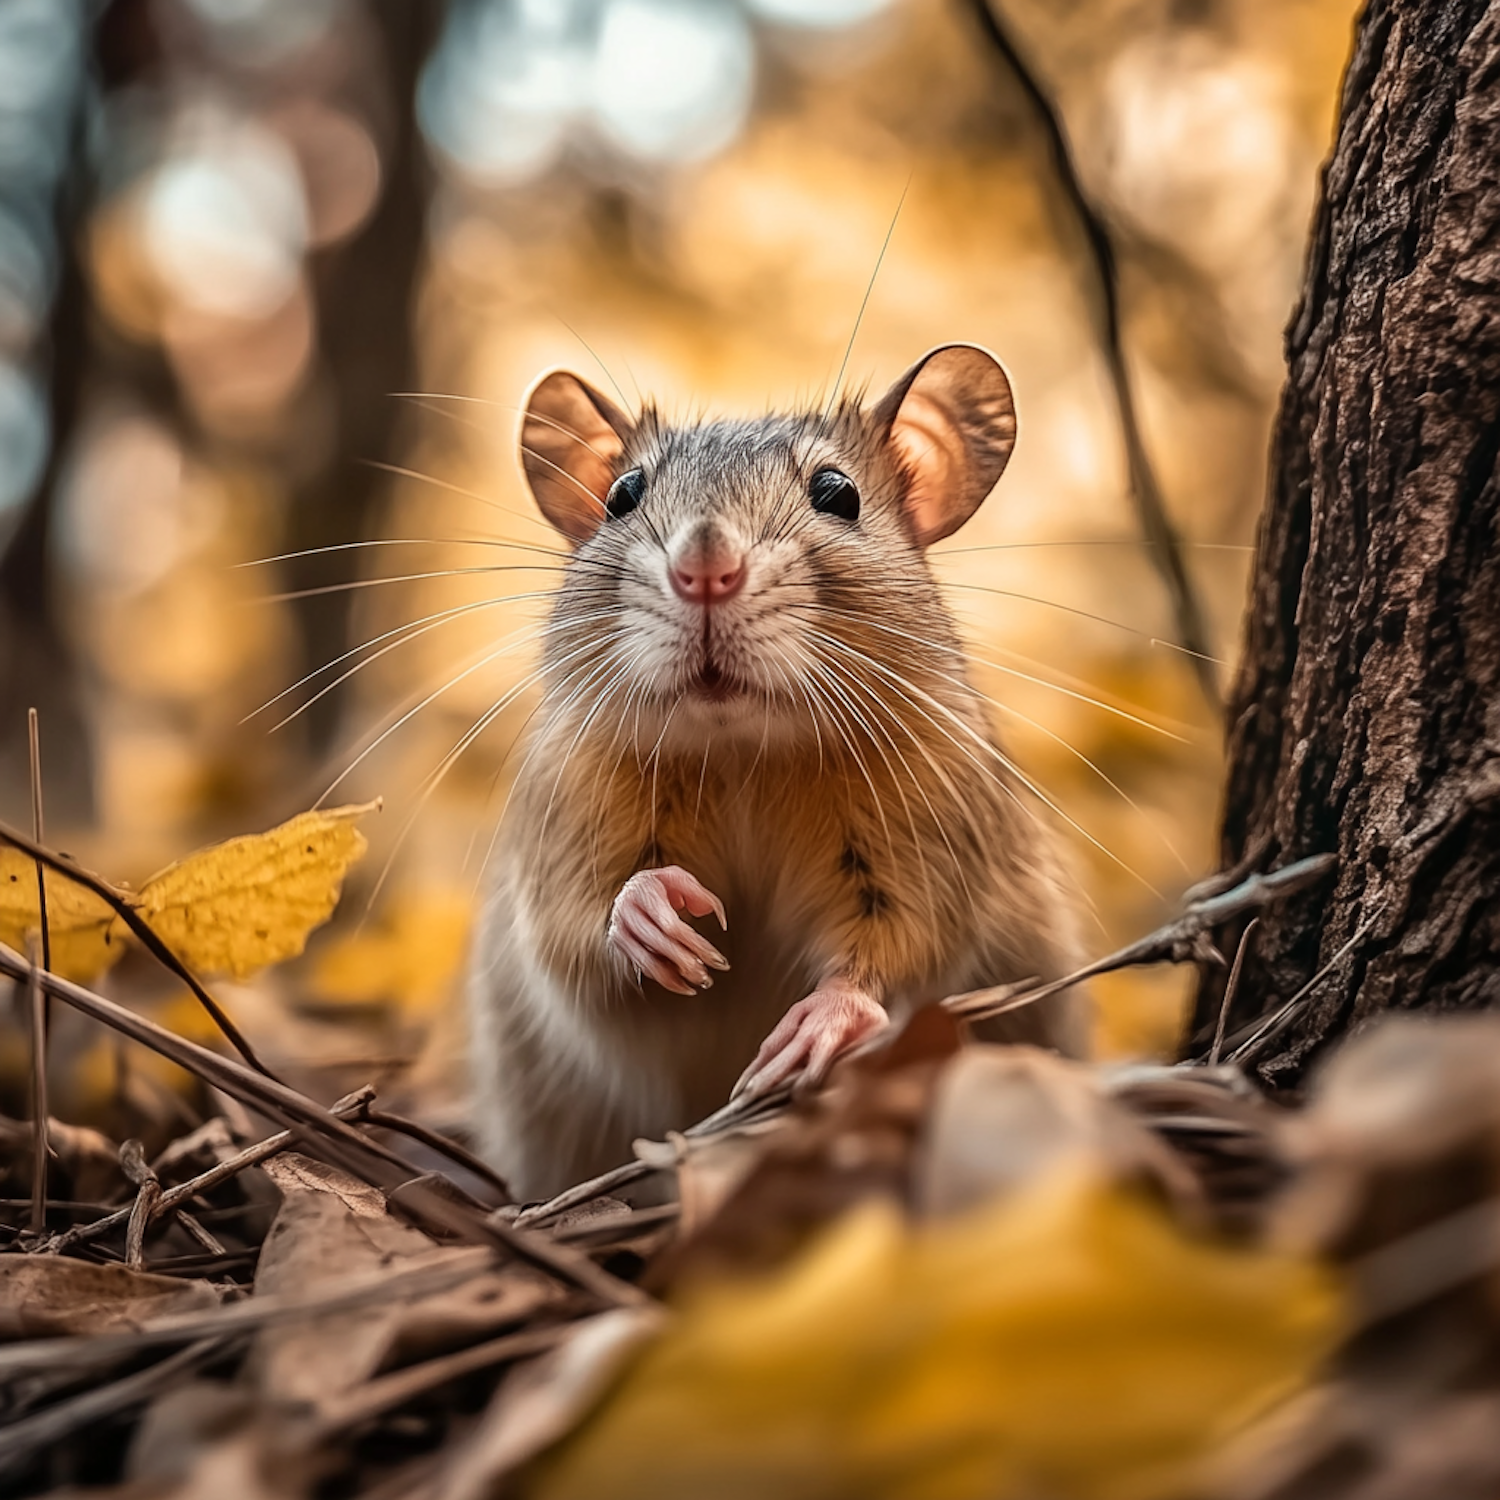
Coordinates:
338	1142
38	827
1229	991
148	1194
386	1391
39	1144
1177	942
143	931
204	1182
22	1439
441	1144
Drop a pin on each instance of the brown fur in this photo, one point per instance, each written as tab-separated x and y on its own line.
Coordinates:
849	805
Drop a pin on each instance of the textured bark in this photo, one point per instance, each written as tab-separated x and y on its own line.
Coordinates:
1366	716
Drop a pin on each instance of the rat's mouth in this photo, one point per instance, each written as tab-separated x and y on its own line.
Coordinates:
712	683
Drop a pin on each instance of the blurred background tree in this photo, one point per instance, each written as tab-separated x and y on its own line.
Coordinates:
233	232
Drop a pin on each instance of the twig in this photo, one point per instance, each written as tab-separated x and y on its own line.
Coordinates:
66	1356
148	1195
20	1440
1247	1049
1229	991
441	1144
143	932
1161	535
584	1192
39	1107
199	1233
385	1391
338	1142
1178	941
38	827
204	1182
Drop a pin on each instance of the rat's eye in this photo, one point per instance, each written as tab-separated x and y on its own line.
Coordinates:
625	493
834	494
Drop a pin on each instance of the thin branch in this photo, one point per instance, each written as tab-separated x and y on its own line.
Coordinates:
39	1107
434	1140
204	1182
1161	536
1230	990
1183	939
338	1142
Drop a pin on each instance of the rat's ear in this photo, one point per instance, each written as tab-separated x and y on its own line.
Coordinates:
952	424
571	437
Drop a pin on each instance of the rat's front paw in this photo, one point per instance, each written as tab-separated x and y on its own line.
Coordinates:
810	1036
645	930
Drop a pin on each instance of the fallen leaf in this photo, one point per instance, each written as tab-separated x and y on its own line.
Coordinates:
83	940
333	1229
1067	1340
238	906
42	1296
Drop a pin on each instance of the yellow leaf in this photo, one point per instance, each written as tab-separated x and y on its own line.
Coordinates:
235	907
408	961
1067	1341
83	942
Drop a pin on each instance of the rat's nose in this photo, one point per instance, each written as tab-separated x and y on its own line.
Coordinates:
709	577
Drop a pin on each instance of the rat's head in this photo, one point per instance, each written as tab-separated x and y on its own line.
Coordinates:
764	576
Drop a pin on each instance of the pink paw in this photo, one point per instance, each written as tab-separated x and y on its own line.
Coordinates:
810	1036
645	930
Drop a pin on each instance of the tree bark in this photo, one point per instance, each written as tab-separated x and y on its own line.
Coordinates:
1366	715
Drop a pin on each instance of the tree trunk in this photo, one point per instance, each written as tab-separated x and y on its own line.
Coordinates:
1366	715
366	293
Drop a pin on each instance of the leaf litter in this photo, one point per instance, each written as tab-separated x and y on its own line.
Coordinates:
953	1271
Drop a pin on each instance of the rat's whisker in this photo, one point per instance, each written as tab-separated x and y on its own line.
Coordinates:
521	637
475	666
1085	614
865	302
454	489
859	684
939	553
1109	708
373	583
1013	769
411	541
439	773
407	631
594	355
572	479
1059	740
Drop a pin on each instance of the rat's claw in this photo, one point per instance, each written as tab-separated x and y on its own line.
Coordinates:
810	1036
646	930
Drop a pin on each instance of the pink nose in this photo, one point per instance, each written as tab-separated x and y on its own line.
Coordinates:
709	579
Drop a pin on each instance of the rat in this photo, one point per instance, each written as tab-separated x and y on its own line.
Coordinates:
762	810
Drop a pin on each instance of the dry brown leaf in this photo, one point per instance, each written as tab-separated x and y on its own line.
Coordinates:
238	906
83	940
42	1296
331	1228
